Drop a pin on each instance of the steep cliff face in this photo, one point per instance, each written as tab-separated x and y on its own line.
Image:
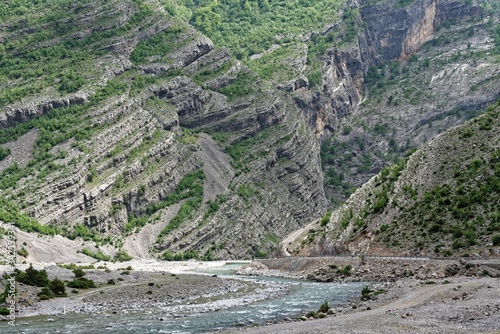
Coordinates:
412	73
442	200
385	33
391	33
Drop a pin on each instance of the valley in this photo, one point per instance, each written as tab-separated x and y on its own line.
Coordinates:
166	133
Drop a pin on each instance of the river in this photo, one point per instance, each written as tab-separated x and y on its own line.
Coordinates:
304	296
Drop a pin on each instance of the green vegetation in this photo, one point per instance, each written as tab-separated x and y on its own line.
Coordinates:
367	293
81	231
336	165
38	278
98	256
245	151
324	307
169	256
32	70
80	282
452	216
321	313
326	218
268	35
22	252
251	27
10	212
73	266
186	211
190	187
55	288
260	254
244	85
157	47
122	256
405	3
4	152
345	271
32	277
245	191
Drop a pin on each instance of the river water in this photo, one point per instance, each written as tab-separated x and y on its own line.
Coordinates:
303	296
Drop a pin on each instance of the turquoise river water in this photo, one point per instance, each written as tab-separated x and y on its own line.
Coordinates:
303	296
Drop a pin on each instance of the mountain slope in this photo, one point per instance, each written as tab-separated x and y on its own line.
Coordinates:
122	127
441	200
117	140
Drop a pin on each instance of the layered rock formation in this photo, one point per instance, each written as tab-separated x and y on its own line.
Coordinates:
140	143
154	111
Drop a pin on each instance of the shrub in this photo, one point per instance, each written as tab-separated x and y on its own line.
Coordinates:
312	314
324	307
23	252
78	273
4	311
82	283
381	202
57	287
45	292
111	282
122	256
168	256
346	271
98	256
260	254
496	240
326	218
366	293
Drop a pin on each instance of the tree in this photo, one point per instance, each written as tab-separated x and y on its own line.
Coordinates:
32	276
78	273
57	287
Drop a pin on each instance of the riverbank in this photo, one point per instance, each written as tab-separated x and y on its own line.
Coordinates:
172	288
405	296
464	305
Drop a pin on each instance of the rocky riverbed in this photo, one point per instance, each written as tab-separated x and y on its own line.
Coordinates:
464	305
404	296
173	293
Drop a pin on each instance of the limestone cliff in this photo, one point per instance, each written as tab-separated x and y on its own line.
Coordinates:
411	73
